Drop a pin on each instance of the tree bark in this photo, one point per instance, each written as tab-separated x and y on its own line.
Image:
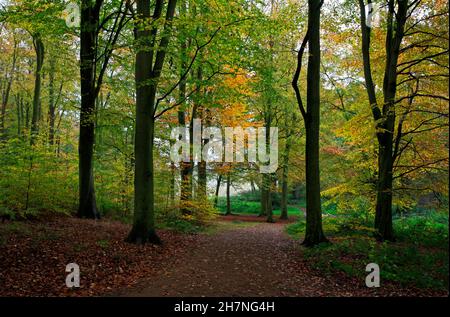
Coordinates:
216	196
284	181
39	48
384	117
51	102
314	232
90	12
264	193
202	177
143	230
186	167
172	182
228	212
269	209
147	77
5	95
91	82
19	114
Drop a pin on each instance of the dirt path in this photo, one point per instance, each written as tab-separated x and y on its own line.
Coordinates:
258	260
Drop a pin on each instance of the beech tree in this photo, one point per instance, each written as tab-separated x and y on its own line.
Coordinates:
311	116
388	123
148	72
94	58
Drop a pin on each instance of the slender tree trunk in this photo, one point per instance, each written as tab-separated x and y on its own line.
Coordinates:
269	208
202	182
51	102
216	196
314	232
252	186
5	95
27	116
284	182
202	177
266	202
39	48
186	167
172	182
264	194
268	178
87	207
19	114
185	172
228	212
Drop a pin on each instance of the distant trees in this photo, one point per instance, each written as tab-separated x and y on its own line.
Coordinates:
229	65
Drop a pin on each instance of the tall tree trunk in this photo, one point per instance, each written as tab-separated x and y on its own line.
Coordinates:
268	178
202	181
384	117
90	12
91	82
266	203
39	48
383	214
263	193
395	33
27	115
252	186
146	78
314	232
186	167
228	212
202	177
172	182
269	209
143	225
51	102
284	181
19	119
216	195
5	95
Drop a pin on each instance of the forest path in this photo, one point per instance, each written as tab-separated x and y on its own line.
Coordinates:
256	260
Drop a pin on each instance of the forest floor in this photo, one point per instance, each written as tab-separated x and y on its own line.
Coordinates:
238	256
259	259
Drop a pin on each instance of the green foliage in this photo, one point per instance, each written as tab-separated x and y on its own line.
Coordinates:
296	229
418	258
250	203
34	179
199	215
426	230
104	244
179	224
239	206
200	211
